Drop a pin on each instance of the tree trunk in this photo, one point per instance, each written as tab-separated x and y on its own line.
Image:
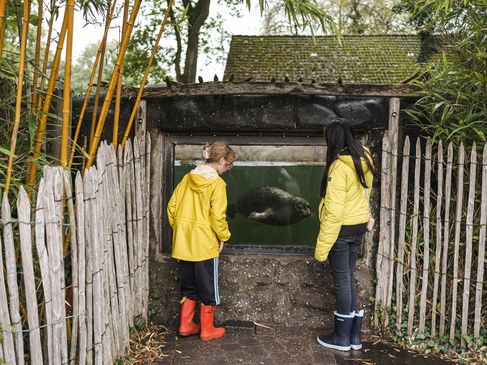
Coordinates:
197	17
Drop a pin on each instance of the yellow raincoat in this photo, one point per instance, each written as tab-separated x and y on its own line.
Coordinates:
197	214
345	203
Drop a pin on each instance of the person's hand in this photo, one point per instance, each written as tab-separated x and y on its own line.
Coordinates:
220	247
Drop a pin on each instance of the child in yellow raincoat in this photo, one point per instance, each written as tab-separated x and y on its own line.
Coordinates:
197	214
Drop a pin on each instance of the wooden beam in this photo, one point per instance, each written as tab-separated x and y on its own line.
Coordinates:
268	88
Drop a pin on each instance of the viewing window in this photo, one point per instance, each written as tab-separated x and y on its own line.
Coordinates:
273	194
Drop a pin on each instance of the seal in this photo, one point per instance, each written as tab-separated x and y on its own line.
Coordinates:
270	205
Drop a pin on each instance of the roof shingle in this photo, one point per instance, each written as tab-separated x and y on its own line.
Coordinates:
361	59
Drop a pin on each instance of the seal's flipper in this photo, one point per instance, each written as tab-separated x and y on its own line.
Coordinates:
261	217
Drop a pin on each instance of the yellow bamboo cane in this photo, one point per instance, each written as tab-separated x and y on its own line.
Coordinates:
146	74
40	14
116	117
46	58
97	93
3	10
67	86
18	100
111	85
47	103
90	85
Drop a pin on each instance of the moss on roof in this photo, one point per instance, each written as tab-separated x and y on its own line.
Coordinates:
374	59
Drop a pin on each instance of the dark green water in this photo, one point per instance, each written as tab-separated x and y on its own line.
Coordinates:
299	180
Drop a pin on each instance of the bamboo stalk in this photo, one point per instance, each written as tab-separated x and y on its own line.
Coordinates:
116	117
40	15
18	100
98	83
46	56
111	86
67	86
45	110
146	74
90	85
3	10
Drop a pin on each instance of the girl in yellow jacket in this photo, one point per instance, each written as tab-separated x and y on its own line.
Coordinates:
344	213
197	214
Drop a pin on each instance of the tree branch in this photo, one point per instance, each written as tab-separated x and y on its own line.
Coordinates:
177	60
196	18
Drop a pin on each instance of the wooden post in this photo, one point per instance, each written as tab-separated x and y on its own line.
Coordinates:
44	266
89	199
383	249
458	219
157	206
394	109
481	249
437	258
23	209
58	255
80	224
402	229
414	240
11	270
74	266
426	236
141	120
8	341
53	247
468	243
131	227
446	237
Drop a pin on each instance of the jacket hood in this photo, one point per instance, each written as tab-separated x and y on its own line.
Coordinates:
347	160
202	177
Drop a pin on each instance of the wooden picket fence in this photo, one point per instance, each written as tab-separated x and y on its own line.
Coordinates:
83	262
430	265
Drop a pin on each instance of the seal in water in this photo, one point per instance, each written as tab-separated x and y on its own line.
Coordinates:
270	205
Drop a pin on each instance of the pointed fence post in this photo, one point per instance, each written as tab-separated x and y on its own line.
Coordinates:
414	240
456	252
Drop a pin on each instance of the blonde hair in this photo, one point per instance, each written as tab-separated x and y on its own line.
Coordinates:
215	151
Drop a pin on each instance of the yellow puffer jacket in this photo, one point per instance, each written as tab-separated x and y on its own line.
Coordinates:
197	214
345	203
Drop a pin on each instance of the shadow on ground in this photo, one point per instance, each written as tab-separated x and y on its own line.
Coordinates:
269	346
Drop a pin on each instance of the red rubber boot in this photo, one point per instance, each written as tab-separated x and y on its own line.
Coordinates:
187	327
208	331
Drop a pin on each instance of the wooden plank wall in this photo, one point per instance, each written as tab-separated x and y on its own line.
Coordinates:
76	261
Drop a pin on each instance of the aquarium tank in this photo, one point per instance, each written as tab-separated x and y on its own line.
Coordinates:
273	192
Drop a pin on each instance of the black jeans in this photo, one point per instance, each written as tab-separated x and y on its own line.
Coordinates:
342	259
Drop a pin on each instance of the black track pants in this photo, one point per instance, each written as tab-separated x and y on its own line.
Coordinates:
199	281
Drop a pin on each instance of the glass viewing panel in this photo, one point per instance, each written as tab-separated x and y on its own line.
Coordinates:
273	192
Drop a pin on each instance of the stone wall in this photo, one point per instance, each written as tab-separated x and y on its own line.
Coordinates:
271	290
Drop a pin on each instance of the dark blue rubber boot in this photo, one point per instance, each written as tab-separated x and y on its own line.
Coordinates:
340	338
355	340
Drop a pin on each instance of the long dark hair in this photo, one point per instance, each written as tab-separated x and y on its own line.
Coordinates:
339	139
